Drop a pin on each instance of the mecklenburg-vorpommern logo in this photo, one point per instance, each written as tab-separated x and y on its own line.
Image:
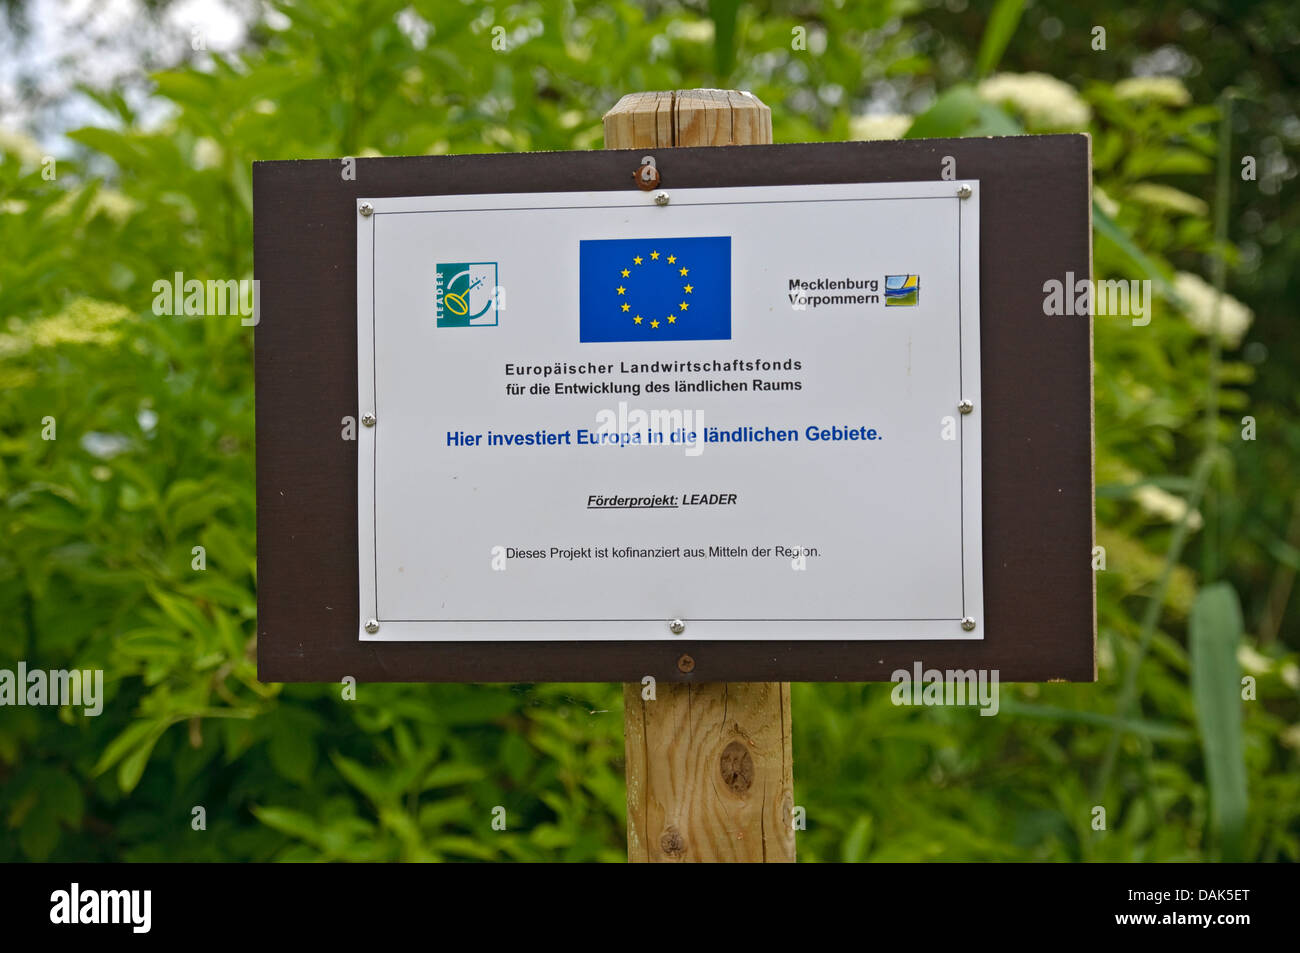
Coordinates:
466	294
902	290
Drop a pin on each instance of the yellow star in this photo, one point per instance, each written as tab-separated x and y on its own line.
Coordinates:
684	305
672	319
621	289
654	324
626	272
654	255
637	319
626	306
636	260
689	288
671	259
684	271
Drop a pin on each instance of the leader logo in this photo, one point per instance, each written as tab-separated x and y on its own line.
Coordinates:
467	294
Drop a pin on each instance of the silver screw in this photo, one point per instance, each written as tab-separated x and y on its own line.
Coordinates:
677	627
372	626
966	406
369	419
968	623
366	210
963	191
661	198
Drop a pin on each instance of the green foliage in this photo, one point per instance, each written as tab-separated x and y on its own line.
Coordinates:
1215	630
1001	27
154	455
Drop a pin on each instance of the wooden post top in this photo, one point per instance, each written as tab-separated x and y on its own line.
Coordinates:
688	117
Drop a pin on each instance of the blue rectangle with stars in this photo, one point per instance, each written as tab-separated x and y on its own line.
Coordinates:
654	289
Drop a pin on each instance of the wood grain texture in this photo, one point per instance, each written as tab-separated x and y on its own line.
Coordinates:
1037	428
688	117
709	774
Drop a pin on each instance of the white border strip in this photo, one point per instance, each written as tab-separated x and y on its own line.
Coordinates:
614	630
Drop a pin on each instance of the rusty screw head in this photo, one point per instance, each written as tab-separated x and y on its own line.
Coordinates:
646	177
686	664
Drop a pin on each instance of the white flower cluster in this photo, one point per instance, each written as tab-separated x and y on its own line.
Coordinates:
1199	299
207	154
24	148
1043	101
1165	505
883	126
1165	90
1104	201
1168	199
113	204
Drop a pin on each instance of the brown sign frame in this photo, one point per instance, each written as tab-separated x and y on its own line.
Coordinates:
1038	487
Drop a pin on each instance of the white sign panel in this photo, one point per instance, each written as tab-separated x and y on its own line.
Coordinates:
591	416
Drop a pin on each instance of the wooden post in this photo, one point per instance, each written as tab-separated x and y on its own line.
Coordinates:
709	773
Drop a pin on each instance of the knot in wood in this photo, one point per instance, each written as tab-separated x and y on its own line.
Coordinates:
737	768
672	843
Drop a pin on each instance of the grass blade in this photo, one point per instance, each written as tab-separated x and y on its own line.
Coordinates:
1215	630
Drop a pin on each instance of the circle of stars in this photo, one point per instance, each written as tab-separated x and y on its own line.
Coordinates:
687	288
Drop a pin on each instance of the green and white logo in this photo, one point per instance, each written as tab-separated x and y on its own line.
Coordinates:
466	294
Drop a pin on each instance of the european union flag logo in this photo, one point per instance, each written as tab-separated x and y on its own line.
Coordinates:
654	289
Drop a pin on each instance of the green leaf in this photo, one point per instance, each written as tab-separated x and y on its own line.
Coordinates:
61	796
39	835
368	782
1106	226
1001	27
446	775
464	847
123	150
550	836
291	822
949	115
1166	161
119	746
517	757
1137	726
150	642
995	121
858	841
1215	629
132	767
292	751
723	13
187	616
